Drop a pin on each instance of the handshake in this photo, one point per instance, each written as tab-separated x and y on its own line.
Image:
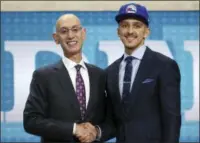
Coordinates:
86	132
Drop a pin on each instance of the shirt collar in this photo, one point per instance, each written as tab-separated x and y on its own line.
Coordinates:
138	52
69	64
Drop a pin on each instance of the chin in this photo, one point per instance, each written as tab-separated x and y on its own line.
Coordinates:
131	46
75	51
72	49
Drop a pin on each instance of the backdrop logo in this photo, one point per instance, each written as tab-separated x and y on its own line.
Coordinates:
32	48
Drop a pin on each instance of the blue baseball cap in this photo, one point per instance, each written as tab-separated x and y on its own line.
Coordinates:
133	10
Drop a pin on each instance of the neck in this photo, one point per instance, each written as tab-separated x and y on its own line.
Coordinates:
130	50
76	57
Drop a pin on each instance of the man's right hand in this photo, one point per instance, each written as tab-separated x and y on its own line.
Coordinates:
85	132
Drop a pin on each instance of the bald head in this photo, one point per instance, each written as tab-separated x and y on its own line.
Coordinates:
70	35
67	19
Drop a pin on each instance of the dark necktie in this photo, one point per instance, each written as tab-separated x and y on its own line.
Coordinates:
127	77
80	91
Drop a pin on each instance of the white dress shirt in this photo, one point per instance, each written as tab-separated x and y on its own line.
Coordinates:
138	55
70	66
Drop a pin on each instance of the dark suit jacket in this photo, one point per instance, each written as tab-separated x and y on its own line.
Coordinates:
52	106
151	113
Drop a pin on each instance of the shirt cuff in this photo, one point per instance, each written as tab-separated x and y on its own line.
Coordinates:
99	133
74	129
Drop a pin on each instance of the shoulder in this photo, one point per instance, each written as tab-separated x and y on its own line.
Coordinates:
164	62
46	70
162	59
94	68
114	65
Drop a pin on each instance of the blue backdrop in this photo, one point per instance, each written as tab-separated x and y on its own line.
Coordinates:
172	27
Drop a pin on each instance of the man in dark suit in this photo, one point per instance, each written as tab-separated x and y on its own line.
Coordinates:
67	101
143	86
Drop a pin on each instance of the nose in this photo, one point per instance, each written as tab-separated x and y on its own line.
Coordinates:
130	30
70	34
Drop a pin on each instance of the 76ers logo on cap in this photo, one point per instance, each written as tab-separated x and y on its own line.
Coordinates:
131	9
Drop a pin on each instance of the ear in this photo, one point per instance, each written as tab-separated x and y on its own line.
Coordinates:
118	32
147	32
84	33
56	39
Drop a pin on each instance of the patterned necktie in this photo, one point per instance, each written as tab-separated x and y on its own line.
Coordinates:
127	76
80	91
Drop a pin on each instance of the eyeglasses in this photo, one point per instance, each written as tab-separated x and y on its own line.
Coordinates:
74	30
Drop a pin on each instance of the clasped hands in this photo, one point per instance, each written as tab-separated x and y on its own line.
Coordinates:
86	132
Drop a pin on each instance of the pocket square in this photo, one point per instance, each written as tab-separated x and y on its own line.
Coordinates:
148	80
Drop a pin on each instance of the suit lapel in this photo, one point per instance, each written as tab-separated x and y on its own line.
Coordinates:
115	80
142	73
93	88
66	84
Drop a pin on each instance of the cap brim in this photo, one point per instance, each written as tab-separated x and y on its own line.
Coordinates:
121	17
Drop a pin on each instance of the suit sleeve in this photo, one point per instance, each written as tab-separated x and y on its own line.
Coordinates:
108	127
35	119
170	103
